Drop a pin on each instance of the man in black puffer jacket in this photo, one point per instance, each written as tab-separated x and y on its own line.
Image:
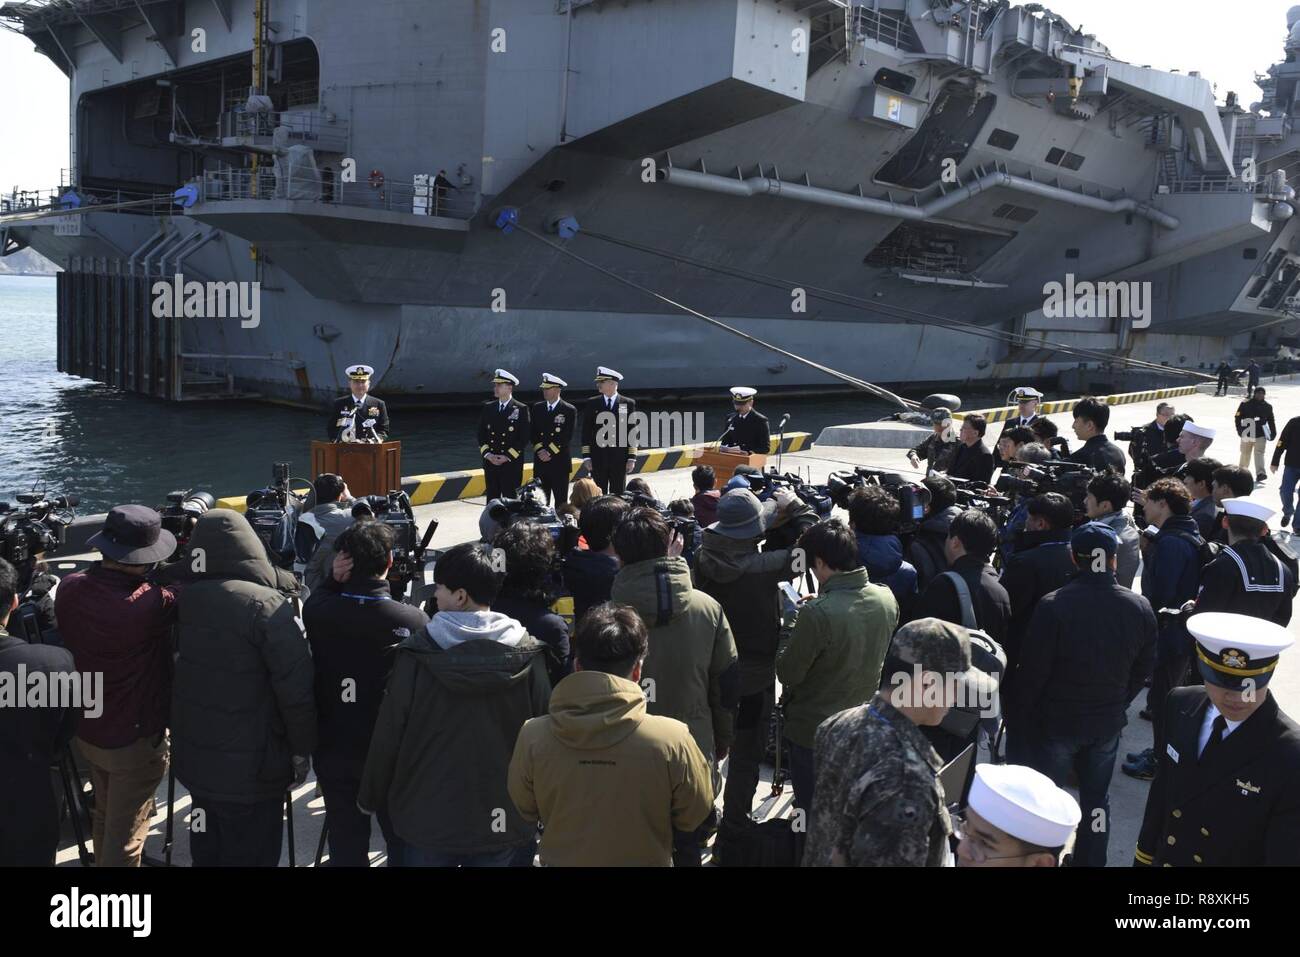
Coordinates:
1040	565
243	710
744	582
925	552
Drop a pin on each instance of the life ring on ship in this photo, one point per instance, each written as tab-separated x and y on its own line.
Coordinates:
376	179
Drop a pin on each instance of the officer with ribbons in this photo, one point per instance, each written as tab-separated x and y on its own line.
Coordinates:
1227	789
608	451
553	421
503	432
747	430
358	417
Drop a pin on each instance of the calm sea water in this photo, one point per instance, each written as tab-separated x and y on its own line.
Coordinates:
112	447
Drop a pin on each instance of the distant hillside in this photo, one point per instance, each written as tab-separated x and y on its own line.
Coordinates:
27	262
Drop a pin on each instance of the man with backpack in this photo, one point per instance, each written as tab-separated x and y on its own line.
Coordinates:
969	592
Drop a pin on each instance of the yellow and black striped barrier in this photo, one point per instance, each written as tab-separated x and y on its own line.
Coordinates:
451	486
1065	405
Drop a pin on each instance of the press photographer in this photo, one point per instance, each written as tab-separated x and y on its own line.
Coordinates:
27	534
1148	440
321	525
589	572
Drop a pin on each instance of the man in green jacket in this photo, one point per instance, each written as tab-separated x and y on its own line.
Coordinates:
690	672
837	647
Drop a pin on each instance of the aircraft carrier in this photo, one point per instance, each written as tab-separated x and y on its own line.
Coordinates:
885	188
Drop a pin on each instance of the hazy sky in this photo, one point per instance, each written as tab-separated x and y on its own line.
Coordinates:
1227	42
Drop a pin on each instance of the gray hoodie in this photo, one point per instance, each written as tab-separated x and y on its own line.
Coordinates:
451	628
1122	524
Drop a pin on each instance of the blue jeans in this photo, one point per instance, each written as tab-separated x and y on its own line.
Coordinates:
1290	475
1093	760
429	857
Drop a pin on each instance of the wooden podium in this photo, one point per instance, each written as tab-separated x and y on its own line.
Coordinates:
368	468
725	463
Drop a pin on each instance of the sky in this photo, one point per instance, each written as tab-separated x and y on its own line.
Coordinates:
1228	43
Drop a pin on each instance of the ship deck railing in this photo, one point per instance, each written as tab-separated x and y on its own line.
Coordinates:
863	23
325	187
304	125
1213	184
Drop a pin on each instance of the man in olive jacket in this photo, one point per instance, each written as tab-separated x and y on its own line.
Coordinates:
837	649
691	670
243	715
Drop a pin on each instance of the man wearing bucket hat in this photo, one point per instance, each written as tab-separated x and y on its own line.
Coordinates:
878	801
117	623
744	580
1228	785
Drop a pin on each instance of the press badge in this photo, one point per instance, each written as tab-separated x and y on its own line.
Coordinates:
1169	749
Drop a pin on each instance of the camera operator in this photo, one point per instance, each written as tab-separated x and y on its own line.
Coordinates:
1011	442
1031	454
1046	432
936	450
692	666
31	741
331	515
526	593
874	516
352	627
1246	578
744	580
116	622
973	460
1088	649
1198	477
589	572
703	479
1040	564
243	703
926	551
1149	440
1091	416
1108	494
1171	574
972	536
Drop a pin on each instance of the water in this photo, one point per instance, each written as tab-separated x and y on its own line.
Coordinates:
110	447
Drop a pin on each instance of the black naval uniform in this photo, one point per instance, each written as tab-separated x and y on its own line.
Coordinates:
1238	805
1248	579
750	432
553	431
344	412
608	465
503	433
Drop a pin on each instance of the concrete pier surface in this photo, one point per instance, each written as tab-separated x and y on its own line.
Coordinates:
458	522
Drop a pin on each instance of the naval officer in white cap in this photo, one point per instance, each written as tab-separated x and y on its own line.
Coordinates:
747	430
607	450
503	432
1227	789
1015	817
358	417
1247	578
1027	399
553	421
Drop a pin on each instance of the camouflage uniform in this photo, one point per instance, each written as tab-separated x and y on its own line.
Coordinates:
938	453
877	801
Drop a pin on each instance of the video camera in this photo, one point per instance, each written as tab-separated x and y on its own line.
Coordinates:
274	512
527	506
1070	479
38	528
684	525
913	498
765	484
182	513
395	511
978	495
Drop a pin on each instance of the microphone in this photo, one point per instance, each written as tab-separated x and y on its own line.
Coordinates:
784	419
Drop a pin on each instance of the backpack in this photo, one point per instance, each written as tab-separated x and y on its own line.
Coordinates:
986	655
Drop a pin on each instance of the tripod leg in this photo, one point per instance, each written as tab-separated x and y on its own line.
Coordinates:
288	824
168	832
69	775
324	833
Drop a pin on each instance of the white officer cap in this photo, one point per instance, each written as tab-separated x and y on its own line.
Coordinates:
1025	393
359	372
1231	649
604	374
743	393
1204	431
1247	508
505	378
1024	803
550	381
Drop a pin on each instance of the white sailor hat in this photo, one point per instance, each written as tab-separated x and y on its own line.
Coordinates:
1236	651
1024	803
742	393
1026	392
606	374
550	381
1248	509
503	377
1204	431
359	372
